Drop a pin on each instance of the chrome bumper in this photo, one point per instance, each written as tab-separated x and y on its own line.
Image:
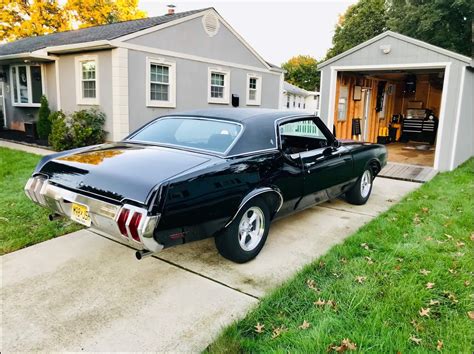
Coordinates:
103	215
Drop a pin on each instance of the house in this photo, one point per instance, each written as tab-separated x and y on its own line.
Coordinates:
295	98
421	92
136	70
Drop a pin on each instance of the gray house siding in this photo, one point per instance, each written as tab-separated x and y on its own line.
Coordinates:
190	37
191	87
404	53
68	79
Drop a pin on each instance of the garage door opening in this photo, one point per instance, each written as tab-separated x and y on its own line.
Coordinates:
398	108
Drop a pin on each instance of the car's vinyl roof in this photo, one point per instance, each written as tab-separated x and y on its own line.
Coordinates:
259	125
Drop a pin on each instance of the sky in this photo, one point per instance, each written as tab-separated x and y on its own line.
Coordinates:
277	30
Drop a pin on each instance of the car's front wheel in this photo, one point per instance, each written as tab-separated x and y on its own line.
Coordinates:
244	238
360	192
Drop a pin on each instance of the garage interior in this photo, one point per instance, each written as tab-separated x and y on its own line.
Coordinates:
398	108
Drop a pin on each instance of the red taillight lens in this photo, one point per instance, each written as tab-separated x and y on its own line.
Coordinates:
134	223
122	220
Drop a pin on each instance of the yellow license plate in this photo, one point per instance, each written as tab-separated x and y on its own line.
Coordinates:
80	214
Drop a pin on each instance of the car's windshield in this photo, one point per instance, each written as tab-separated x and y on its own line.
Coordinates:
202	134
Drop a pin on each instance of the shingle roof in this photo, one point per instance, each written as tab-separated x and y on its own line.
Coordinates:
104	32
295	90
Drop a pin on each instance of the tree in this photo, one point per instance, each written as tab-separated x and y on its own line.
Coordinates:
24	18
445	23
302	71
88	13
360	22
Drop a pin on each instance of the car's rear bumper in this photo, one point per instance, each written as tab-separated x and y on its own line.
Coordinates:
103	215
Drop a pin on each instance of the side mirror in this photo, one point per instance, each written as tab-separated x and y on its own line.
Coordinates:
336	143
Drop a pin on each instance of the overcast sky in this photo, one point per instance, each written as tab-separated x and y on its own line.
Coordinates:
276	30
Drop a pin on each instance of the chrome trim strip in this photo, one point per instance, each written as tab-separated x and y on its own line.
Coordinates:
250	196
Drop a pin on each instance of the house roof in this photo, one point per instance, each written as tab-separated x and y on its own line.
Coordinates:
90	34
295	90
401	37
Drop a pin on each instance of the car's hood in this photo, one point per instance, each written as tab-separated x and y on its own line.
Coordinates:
121	170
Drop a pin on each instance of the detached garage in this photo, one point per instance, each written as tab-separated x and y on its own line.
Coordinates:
408	94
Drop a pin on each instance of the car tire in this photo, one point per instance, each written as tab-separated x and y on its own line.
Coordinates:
360	192
243	239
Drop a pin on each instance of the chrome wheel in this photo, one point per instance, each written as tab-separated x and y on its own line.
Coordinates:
365	184
251	228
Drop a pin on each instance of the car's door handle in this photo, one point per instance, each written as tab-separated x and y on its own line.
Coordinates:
309	164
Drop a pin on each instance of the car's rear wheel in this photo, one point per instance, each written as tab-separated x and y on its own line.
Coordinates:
244	238
360	192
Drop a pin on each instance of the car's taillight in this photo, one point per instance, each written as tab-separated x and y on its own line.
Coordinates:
133	227
122	220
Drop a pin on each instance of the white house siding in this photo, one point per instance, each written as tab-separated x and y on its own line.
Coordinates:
191	87
67	82
410	56
120	124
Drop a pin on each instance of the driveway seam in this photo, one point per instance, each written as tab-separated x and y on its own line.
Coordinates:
185	269
347	211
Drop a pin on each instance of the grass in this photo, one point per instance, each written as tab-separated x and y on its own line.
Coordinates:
426	238
23	223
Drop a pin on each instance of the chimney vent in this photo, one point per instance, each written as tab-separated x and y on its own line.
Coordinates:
171	9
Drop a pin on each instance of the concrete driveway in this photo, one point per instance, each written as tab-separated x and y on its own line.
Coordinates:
86	292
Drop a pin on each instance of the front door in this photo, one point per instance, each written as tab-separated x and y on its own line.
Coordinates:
365	113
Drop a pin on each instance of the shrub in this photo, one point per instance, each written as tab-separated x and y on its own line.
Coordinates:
81	128
43	126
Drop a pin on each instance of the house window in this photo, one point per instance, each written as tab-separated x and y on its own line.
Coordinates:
219	86
342	103
254	90
294	101
287	101
161	83
87	80
27	83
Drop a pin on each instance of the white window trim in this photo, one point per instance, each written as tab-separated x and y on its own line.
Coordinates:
226	98
171	103
30	89
258	95
79	99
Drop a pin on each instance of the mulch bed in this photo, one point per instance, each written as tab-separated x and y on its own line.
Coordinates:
16	135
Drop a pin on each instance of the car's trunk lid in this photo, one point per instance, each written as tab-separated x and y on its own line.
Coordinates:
120	171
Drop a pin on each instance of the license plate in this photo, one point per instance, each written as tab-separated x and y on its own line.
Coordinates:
80	214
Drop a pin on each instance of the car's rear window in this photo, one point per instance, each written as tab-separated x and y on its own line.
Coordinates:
195	133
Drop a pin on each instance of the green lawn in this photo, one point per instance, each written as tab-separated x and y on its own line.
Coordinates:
23	223
402	283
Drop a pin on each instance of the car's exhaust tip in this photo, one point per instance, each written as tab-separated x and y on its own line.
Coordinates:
53	217
143	254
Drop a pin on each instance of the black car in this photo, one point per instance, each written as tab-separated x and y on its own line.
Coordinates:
223	173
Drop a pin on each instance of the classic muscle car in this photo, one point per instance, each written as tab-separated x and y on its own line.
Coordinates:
222	173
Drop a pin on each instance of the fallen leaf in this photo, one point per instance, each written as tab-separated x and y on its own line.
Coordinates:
470	314
459	254
424	312
343	260
304	325
364	245
452	297
439	242
415	340
400	260
425	272
434	302
278	331
331	303
369	260
467	282
449	237
439	345
429	238
460	244
319	302
430	285
416	219
360	279
337	275
452	271
425	210
346	344
311	284
259	328
398	267
472	237
322	264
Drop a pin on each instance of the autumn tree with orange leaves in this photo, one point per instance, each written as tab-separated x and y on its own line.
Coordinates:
25	18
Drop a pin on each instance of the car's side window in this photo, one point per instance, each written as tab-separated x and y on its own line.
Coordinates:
301	135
